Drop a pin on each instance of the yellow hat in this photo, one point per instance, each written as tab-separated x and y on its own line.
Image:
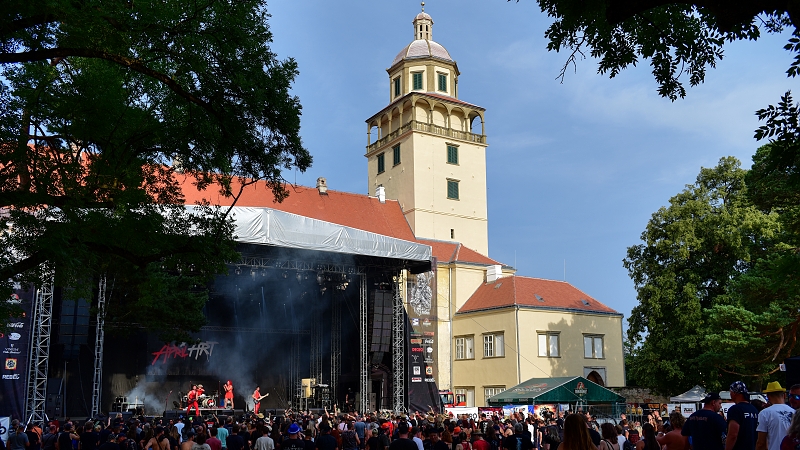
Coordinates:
773	386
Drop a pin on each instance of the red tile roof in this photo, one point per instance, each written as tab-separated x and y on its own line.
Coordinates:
526	291
449	251
351	210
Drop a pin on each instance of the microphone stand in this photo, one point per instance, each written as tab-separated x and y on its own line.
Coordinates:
165	403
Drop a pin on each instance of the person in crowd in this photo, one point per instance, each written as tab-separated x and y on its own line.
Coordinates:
159	440
325	441
673	439
213	442
576	434
518	440
200	442
792	439
648	441
794	396
609	437
293	441
33	437
188	443
403	441
349	437
50	439
620	436
742	420
774	421
705	427
17	439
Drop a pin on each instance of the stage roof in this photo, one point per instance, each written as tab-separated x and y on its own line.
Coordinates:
267	226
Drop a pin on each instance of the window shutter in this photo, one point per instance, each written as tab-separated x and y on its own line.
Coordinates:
452	189
381	163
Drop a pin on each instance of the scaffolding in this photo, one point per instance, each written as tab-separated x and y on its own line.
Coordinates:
336	345
97	382
42	318
398	350
363	372
316	351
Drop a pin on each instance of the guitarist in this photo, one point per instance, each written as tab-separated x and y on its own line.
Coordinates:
257	397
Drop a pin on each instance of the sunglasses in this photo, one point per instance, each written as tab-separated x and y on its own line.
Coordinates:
794	397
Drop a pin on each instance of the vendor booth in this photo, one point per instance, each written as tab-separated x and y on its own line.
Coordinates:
688	402
545	395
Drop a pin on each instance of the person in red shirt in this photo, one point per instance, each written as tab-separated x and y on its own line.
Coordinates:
191	398
480	443
228	394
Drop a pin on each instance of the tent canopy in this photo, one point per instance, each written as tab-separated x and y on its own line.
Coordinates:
555	390
693	395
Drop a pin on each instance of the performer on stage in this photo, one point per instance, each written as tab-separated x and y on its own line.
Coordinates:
192	401
257	399
228	394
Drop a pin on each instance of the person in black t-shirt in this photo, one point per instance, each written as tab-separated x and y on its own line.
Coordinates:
518	440
742	420
293	442
403	442
234	440
705	427
325	441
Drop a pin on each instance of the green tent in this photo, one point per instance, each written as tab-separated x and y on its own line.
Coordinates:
556	390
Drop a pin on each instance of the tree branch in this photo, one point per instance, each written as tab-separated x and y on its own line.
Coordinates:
132	63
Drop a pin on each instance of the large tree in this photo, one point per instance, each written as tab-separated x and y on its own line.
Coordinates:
103	105
692	250
681	39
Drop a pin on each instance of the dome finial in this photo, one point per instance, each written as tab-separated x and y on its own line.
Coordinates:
423	6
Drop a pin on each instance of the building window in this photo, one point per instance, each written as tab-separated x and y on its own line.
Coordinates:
452	233
396	154
465	396
465	347
452	154
397	86
549	345
443	82
593	346
381	163
452	189
493	346
489	392
416	78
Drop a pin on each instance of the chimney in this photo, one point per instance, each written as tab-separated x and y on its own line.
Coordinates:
380	192
322	186
493	272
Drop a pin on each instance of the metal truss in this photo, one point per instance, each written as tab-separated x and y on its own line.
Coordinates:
316	351
314	266
97	382
398	349
363	376
42	321
336	345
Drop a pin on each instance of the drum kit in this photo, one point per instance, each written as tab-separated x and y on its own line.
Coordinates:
205	401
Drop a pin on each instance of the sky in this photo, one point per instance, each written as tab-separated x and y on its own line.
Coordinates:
574	169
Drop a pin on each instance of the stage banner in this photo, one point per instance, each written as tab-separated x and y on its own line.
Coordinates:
15	344
422	367
470	411
490	411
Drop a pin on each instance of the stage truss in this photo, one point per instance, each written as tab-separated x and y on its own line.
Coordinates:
40	348
398	349
97	381
364	372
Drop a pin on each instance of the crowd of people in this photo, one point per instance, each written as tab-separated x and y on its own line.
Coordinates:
771	426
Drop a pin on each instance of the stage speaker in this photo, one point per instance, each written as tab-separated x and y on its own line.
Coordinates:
54	406
381	321
792	371
73	330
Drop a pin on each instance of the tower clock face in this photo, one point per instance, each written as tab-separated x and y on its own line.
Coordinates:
421	294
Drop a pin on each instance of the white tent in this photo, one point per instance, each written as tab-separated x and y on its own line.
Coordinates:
693	395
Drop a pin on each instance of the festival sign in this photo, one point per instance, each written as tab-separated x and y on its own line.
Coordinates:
15	344
469	411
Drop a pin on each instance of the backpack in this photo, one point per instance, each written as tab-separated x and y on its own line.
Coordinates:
628	445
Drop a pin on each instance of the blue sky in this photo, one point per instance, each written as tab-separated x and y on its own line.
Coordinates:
575	169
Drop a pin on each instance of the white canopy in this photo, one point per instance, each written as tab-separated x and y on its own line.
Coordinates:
693	395
268	226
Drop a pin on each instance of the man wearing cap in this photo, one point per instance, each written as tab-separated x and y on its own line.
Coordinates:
706	427
293	442
742	420
775	420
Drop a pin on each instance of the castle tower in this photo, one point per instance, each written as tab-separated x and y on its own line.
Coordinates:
427	148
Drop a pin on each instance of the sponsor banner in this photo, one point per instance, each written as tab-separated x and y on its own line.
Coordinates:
546	410
460	411
688	409
490	411
14	357
4	424
421	300
726	407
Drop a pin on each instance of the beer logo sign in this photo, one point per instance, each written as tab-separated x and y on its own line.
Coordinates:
11	363
580	389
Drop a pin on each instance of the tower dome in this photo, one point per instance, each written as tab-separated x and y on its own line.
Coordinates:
423	45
